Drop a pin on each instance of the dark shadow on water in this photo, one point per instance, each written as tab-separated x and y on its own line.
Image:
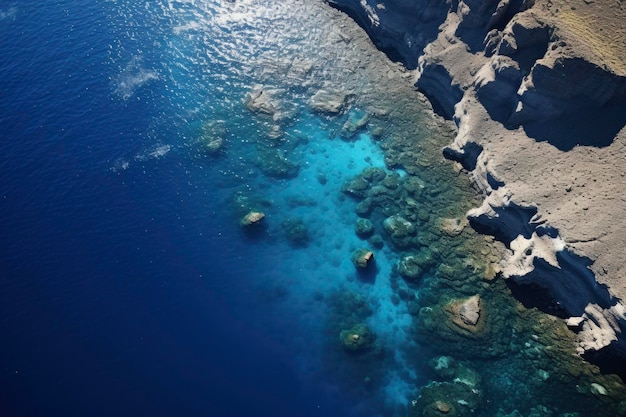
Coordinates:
587	127
536	296
610	360
255	232
368	274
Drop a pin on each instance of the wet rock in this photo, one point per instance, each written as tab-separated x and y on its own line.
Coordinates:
392	181
252	218
261	100
356	339
357	120
273	163
212	140
598	389
364	228
446	399
328	102
454	227
409	268
400	230
374	174
297	232
376	241
357	187
445	367
364	208
362	258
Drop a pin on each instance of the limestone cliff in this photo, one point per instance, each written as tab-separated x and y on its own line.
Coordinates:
538	92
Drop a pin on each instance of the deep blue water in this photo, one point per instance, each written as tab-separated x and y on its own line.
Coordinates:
116	296
128	286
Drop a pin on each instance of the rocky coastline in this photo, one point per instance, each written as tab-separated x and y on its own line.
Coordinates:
537	91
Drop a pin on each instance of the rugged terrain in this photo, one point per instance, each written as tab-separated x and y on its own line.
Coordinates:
538	94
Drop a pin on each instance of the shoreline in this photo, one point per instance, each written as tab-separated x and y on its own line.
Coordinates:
548	157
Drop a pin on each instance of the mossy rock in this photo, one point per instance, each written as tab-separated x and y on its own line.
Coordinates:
364	208
374	174
364	228
362	258
357	120
296	232
400	230
251	219
357	187
376	241
273	163
392	181
357	339
409	269
452	399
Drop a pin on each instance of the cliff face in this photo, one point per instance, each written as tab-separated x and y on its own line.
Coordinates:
538	93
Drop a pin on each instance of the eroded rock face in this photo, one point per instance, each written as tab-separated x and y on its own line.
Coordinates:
468	311
510	73
401	28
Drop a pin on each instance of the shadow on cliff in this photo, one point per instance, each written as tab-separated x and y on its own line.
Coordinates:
596	127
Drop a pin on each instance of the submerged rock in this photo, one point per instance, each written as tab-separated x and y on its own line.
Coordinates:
357	338
400	230
362	258
356	121
409	268
446	399
252	218
364	228
212	138
260	100
328	102
297	232
273	163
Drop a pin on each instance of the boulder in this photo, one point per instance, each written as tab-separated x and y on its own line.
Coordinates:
362	258
260	100
409	268
252	218
400	230
328	102
357	338
364	228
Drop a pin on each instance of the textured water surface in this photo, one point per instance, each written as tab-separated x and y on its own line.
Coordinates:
135	138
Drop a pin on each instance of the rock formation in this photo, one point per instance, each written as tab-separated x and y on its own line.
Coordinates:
537	90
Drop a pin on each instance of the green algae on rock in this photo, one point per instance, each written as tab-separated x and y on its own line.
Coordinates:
362	258
296	232
357	338
364	228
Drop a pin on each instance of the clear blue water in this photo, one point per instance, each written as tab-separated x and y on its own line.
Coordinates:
128	286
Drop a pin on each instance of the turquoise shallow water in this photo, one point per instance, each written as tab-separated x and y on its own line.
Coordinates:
130	155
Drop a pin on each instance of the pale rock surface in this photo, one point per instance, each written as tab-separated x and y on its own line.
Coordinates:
537	90
469	310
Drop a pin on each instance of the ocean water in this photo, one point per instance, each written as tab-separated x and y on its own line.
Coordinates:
131	150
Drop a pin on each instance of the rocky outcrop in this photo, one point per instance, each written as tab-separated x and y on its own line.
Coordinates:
401	28
537	90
